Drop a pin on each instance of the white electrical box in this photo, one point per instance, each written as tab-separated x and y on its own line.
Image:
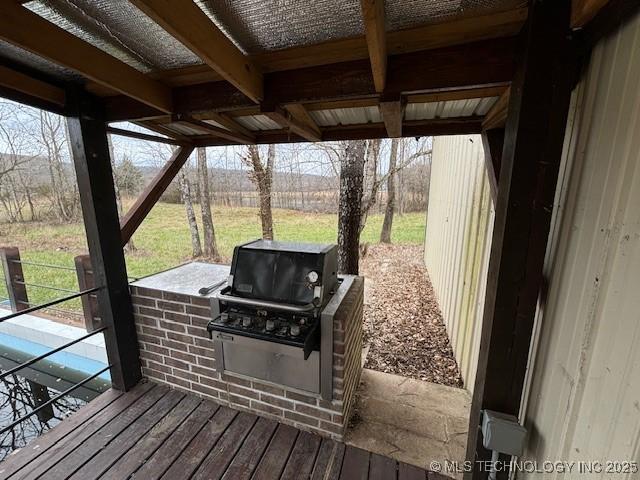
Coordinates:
502	433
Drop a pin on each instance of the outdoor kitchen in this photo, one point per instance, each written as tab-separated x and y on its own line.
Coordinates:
278	333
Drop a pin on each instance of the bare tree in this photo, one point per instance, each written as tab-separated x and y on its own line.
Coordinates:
262	177
15	193
185	191
209	233
350	205
385	234
130	246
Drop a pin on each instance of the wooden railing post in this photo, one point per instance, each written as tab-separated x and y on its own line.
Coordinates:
90	151
92	320
14	278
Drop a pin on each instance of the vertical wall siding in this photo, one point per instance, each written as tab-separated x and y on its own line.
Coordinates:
583	403
457	242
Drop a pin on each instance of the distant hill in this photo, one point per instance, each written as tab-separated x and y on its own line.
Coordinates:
220	178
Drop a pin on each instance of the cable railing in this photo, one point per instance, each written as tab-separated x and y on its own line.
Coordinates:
49	304
47	265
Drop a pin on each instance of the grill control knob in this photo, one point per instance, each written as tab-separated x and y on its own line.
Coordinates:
312	276
270	325
246	322
294	330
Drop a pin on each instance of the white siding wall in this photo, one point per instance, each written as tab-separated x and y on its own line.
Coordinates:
584	398
457	242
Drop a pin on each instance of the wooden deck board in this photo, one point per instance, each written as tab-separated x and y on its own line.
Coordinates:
152	432
61	449
21	458
302	458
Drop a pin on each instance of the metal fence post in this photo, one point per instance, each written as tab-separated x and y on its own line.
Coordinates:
14	278
92	320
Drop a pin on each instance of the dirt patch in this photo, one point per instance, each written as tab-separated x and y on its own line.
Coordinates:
403	325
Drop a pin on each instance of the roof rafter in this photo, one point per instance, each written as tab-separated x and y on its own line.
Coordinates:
214	131
392	112
20	82
582	11
59	46
190	25
374	24
496	117
287	120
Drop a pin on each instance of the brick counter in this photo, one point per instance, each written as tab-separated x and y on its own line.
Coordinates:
175	349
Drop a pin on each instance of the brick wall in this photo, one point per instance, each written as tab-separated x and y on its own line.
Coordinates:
175	349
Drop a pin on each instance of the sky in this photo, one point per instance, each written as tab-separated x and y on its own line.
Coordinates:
21	124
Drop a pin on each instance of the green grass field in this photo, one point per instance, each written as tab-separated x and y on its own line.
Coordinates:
163	241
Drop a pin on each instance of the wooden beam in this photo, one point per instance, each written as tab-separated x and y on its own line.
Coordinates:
582	11
162	130
30	86
59	46
142	136
289	122
152	193
300	113
90	152
374	27
497	114
463	94
209	129
534	137
227	122
493	142
415	128
190	25
392	112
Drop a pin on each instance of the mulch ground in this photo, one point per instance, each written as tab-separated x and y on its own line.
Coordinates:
403	325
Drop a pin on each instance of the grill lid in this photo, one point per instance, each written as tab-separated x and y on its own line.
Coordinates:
287	272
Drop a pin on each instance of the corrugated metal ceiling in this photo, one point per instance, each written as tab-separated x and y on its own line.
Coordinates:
449	108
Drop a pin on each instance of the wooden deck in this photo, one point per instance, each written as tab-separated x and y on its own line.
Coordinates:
153	432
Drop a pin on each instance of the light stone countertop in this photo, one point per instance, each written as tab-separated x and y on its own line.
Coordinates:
186	279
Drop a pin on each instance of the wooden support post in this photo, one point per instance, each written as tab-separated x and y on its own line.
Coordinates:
148	198
493	141
84	272
90	150
534	136
14	278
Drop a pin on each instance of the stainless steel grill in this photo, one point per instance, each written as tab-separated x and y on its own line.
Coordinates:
273	318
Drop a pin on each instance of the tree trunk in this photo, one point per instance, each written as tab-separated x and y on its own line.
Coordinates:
385	234
370	182
262	177
264	187
185	191
349	208
209	233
